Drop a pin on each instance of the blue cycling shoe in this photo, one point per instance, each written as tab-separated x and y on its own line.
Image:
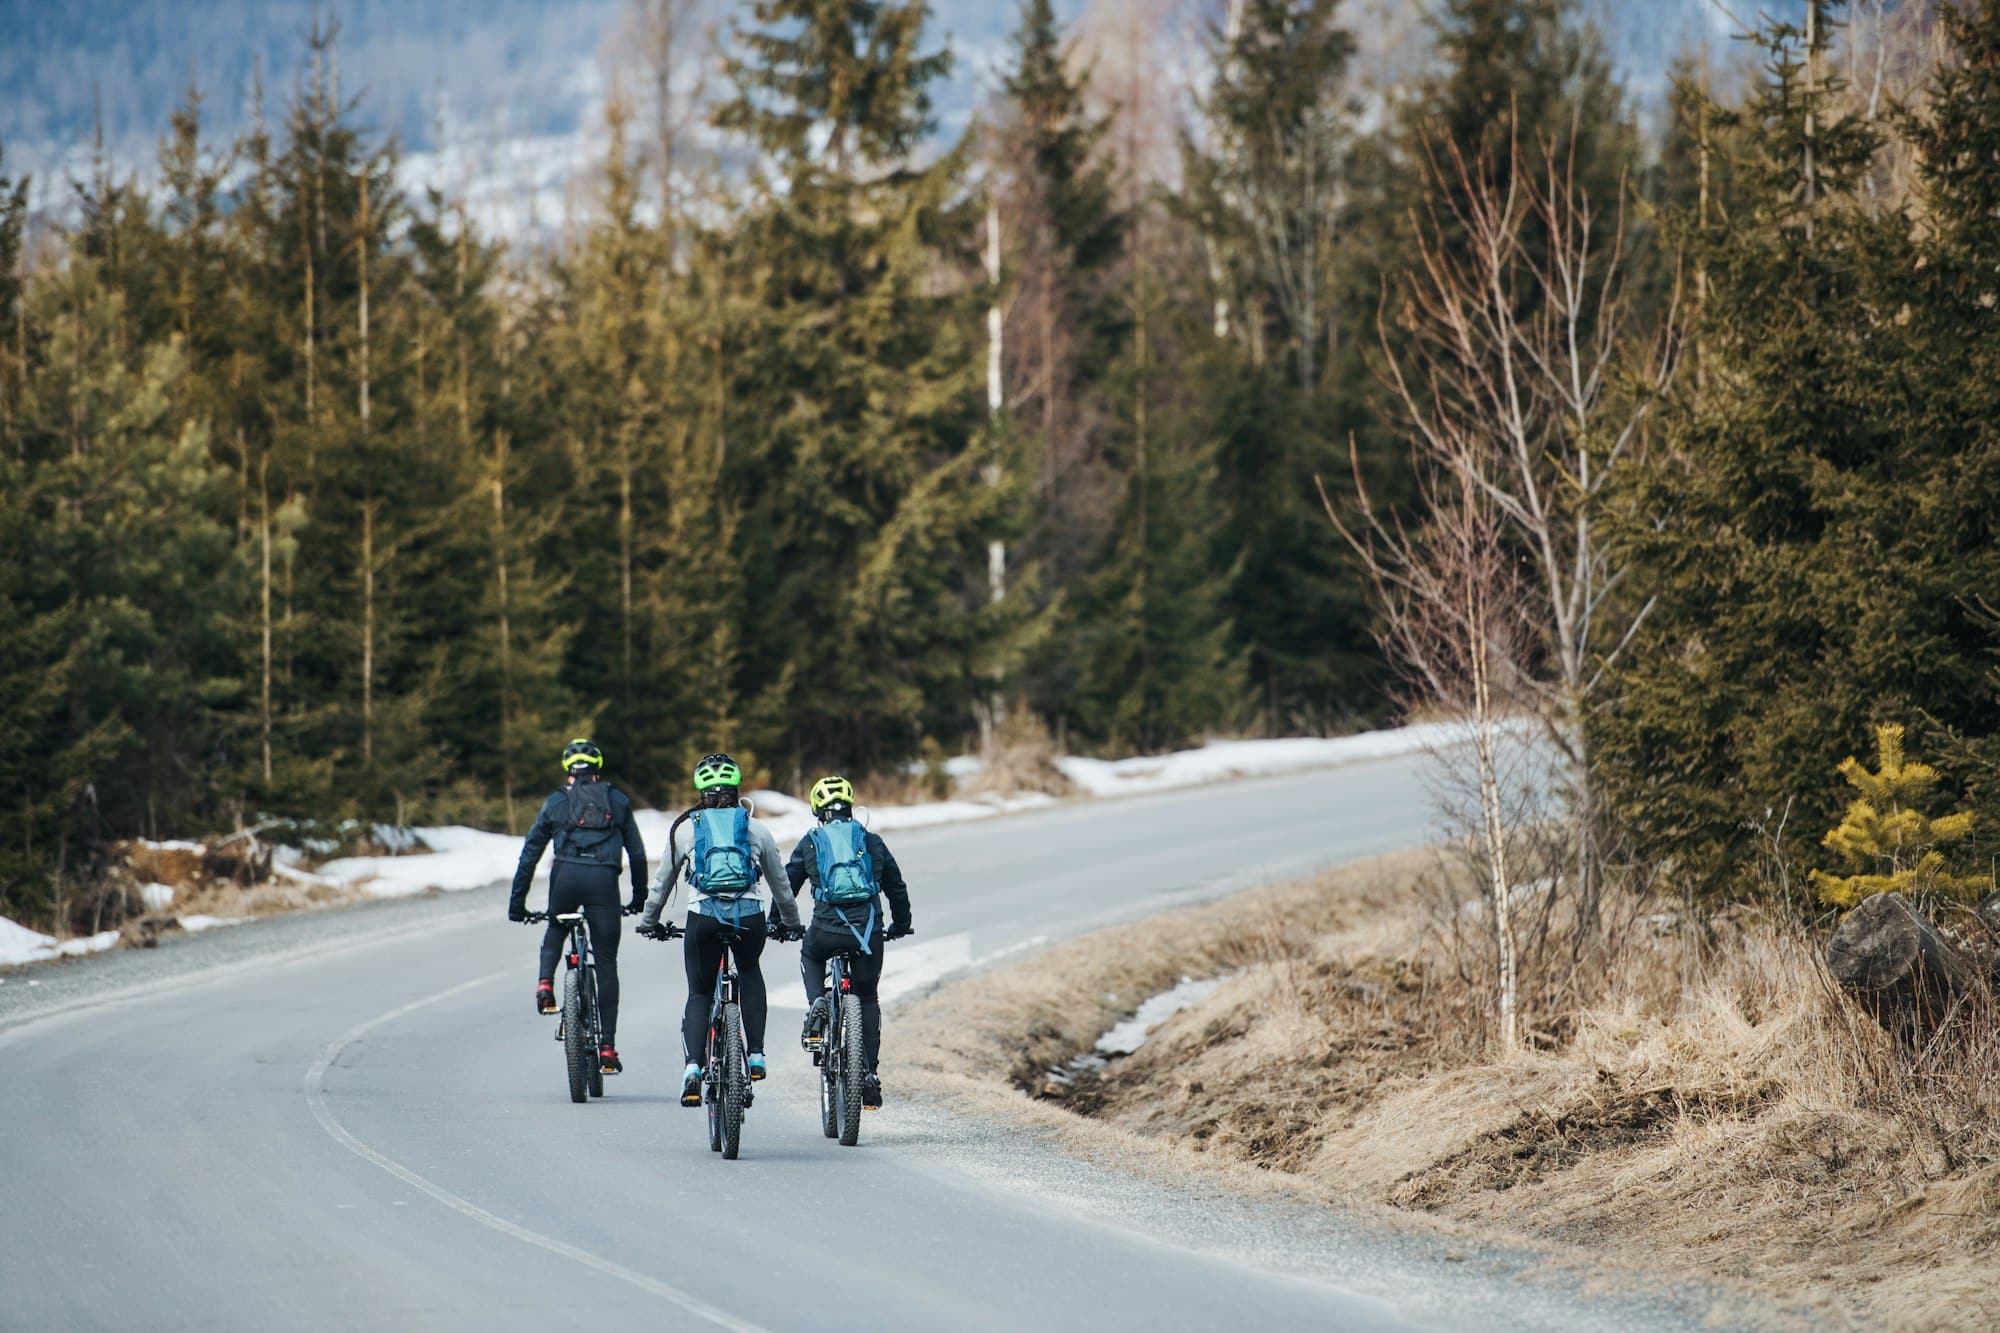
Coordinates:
756	1063
691	1086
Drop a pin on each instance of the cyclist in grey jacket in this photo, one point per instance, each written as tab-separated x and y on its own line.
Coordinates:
722	915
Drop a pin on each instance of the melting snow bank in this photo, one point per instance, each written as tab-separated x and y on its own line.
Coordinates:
1126	1037
1130	1035
454	858
18	944
1221	760
466	858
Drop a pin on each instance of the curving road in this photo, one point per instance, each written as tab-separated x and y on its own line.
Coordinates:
360	1124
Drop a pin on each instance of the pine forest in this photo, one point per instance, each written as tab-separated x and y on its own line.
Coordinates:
1258	396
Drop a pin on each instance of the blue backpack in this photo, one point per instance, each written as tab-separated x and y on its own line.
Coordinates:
724	863
846	871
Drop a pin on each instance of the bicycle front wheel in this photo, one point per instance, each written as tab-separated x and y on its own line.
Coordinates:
576	1042
853	1064
735	1082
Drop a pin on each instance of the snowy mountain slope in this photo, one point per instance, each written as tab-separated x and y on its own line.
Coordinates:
500	100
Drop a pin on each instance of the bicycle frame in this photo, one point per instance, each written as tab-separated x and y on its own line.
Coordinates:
725	993
578	958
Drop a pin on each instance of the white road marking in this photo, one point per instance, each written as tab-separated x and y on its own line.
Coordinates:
315	1093
911	967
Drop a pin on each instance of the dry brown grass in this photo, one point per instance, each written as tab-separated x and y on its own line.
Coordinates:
1717	1110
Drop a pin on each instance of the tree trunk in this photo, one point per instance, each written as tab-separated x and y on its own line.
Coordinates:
264	607
1898	966
361	259
368	634
500	442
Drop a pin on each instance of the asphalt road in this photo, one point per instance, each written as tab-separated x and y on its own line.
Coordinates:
361	1124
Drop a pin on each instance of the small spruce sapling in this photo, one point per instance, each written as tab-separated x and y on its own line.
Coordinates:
1886	843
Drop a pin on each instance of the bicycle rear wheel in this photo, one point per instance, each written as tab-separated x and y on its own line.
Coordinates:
575	1039
593	1031
853	1064
735	1077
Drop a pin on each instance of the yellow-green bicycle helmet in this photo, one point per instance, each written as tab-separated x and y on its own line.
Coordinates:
717	770
832	789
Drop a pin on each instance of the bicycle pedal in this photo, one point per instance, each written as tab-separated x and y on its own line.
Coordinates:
559	1030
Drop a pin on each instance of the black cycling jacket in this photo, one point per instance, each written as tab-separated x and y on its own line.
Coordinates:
553	821
804	866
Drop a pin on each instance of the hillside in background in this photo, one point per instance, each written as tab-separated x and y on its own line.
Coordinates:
501	100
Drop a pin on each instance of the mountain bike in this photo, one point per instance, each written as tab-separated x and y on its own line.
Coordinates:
725	1081
579	1029
842	1057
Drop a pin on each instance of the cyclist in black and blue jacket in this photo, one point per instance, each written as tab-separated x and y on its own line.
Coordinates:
590	822
851	870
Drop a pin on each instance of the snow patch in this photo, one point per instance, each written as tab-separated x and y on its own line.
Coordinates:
1221	760
458	858
1131	1034
157	897
194	925
18	944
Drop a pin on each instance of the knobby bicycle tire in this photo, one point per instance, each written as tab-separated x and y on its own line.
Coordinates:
828	1071
853	1065
734	1075
575	1039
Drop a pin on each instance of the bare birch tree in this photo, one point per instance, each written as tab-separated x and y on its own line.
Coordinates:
1526	388
1449	598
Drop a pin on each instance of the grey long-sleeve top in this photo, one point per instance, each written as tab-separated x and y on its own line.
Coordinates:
769	861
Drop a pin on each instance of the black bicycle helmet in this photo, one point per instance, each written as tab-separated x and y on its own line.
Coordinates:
582	756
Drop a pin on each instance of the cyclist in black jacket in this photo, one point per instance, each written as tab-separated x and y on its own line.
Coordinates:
854	926
589	821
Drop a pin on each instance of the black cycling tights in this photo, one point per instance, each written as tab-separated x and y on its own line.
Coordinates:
702	948
864	974
595	890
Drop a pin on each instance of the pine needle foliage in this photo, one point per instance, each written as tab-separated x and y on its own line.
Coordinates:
1886	843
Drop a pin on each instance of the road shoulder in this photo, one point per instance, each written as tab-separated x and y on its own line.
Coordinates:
978	1044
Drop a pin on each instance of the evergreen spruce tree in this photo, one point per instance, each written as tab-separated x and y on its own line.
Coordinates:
1067	324
113	567
1268	187
609	395
853	406
1953	503
1798	591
